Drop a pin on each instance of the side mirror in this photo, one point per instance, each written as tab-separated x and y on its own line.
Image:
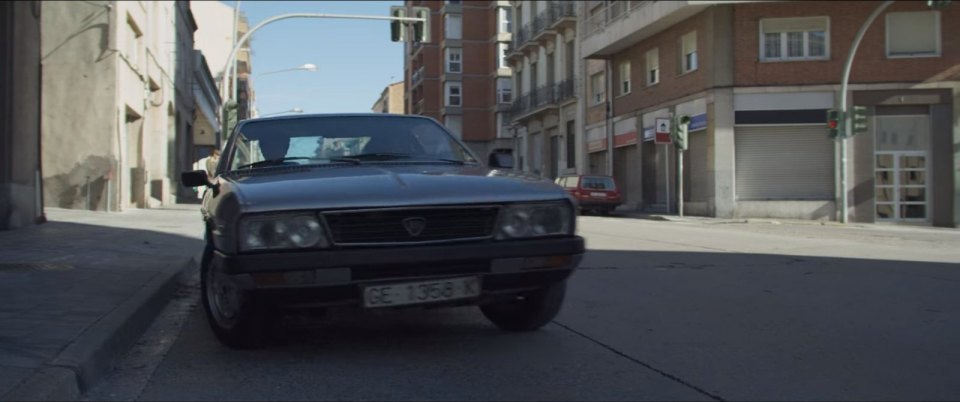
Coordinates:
195	178
501	160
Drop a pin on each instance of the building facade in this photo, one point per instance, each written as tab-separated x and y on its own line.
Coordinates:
546	115
757	79
461	77
391	100
20	168
215	37
116	102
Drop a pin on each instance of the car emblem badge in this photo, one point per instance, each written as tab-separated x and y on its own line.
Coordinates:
414	226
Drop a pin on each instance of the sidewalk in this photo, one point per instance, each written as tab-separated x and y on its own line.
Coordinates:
77	291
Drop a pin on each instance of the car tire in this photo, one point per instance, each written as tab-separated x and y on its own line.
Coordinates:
530	312
246	325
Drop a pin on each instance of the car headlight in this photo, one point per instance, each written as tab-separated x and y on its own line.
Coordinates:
281	232
535	220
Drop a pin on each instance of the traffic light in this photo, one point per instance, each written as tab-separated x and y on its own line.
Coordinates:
937	4
421	30
859	119
678	131
397	31
835	124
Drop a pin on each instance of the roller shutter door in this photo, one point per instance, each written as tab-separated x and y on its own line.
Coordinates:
784	163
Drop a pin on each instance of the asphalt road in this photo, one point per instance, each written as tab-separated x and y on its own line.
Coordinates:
701	310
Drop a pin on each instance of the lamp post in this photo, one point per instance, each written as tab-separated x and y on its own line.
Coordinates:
847	127
294	110
304	67
228	69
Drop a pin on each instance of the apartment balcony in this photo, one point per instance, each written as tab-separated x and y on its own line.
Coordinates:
563	15
523	39
542	31
617	25
544	100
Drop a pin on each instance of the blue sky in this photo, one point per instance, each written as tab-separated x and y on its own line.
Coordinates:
356	58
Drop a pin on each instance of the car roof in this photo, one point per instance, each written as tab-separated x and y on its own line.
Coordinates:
323	115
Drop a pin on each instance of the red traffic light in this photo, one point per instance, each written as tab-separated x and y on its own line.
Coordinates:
832	123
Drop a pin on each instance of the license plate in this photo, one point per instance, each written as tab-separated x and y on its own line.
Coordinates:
399	294
598	194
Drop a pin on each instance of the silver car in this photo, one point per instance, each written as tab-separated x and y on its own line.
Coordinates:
377	211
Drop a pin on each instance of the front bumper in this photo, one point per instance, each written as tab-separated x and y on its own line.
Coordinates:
336	276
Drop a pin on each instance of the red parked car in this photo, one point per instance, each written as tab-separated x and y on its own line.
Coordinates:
593	193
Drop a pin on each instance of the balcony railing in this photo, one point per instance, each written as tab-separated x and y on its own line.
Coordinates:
542	97
521	37
561	10
610	12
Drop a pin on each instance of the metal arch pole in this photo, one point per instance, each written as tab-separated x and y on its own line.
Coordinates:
233	53
236	23
847	128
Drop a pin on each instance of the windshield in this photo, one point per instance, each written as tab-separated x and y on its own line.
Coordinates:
312	140
597	183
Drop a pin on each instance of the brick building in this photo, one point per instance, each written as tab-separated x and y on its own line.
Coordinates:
460	77
757	78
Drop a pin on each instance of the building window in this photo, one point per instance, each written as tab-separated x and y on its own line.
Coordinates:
453	26
804	38
502	55
504	90
134	42
653	66
454	63
913	34
625	78
571	144
505	19
597	88
570	59
688	51
454	124
519	81
454	95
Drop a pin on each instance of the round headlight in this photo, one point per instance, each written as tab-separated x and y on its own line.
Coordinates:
517	223
253	237
547	221
304	231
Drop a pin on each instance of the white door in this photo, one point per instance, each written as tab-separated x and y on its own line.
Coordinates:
901	168
902	185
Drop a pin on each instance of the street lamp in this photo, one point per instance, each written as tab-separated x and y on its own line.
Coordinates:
302	67
294	110
305	67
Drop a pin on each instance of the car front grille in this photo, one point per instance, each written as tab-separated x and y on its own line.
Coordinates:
392	226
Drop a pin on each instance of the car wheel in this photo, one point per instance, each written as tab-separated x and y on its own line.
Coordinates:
235	318
530	311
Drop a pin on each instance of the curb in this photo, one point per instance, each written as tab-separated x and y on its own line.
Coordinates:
93	354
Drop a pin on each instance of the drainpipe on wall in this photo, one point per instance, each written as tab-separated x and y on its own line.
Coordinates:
608	113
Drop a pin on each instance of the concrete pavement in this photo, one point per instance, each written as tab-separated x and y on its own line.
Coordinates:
686	310
77	292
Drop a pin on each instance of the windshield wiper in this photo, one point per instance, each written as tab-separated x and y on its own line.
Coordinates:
278	161
396	155
382	155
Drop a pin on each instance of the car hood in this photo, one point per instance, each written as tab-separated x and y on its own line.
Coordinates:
383	185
